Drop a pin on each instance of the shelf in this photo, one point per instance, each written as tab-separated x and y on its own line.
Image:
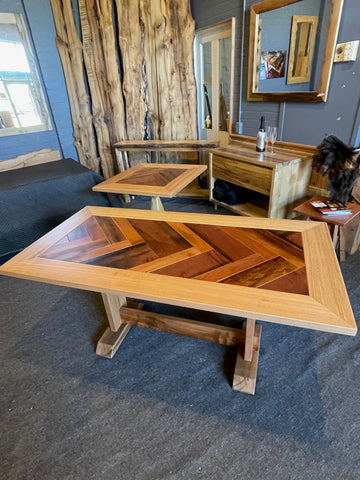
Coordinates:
247	209
193	190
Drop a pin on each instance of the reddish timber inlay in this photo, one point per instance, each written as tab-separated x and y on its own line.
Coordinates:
272	260
156	177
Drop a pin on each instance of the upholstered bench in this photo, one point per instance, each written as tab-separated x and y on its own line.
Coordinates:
35	199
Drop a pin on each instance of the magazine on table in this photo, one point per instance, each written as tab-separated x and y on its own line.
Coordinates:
326	207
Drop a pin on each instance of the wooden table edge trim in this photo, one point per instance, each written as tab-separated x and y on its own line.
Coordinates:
155	287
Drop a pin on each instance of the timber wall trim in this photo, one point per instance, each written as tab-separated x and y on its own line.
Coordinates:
29	159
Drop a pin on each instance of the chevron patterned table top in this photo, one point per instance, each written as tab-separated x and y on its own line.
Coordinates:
152	179
282	271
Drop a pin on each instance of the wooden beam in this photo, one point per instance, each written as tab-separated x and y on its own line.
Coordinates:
182	326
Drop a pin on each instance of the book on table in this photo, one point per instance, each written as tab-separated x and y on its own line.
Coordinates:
327	207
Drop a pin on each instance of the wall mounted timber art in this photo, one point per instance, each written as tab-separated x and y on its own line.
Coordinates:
137	59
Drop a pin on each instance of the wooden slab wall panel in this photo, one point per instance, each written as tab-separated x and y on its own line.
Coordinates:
28	159
173	40
141	86
132	56
103	78
70	51
92	59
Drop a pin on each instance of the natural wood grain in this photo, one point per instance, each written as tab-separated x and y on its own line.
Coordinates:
70	51
183	326
347	231
100	59
112	305
282	178
324	273
110	341
249	339
166	145
155	180
28	159
352	236
325	308
301	54
114	335
245	373
254	177
308	210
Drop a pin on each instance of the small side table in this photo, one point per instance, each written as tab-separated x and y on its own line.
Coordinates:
152	179
335	222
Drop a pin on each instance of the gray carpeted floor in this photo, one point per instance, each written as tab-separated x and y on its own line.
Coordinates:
163	408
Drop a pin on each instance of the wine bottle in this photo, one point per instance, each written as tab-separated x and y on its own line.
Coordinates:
260	138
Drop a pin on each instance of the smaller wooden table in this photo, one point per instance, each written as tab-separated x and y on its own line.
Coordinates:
152	179
336	222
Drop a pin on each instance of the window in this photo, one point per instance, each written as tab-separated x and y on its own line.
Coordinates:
22	104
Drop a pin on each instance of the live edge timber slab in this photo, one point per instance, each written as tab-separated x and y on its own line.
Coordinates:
274	270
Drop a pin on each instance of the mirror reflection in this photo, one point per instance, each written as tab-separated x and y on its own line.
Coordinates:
224	83
207	84
291	49
22	104
286	43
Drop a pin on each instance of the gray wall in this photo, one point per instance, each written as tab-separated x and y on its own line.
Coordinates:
297	122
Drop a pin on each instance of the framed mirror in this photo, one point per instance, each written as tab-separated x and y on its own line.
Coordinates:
291	49
22	103
214	53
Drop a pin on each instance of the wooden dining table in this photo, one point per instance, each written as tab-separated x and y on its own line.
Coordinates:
268	270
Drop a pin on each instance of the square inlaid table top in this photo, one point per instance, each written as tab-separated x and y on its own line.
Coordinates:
281	271
152	179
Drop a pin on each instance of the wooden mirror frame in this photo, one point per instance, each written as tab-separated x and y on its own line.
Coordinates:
253	69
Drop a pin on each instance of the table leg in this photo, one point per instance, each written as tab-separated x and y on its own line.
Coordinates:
342	254
123	164
117	331
247	360
334	232
156	204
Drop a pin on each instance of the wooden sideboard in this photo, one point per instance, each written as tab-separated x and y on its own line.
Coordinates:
275	183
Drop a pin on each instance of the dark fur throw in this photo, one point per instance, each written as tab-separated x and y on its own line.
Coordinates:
336	159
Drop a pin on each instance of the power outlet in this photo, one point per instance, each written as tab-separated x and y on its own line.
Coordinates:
346	52
351	49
